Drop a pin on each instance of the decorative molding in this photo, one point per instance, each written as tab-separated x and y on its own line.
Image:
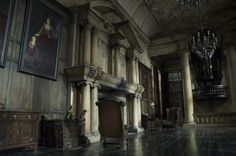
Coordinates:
100	74
129	34
139	90
84	83
112	97
130	54
92	72
125	16
223	118
95	85
95	75
123	82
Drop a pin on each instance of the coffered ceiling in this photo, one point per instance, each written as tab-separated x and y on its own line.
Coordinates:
173	19
165	18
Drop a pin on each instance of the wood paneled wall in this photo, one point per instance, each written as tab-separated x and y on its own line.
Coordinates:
25	92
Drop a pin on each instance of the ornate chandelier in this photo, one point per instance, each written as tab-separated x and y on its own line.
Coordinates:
189	3
204	41
204	47
206	57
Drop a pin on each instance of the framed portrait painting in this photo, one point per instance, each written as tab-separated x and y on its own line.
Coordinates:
6	12
41	41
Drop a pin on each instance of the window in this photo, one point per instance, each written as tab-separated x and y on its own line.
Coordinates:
175	89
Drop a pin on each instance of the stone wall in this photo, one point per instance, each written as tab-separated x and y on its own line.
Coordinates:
19	91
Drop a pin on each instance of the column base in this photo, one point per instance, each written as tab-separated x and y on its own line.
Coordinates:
189	125
93	137
135	130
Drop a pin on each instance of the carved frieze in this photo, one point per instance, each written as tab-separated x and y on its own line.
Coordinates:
95	75
18	129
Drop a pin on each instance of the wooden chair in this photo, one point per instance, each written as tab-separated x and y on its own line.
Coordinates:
111	125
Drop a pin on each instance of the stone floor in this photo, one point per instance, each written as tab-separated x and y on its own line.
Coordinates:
193	142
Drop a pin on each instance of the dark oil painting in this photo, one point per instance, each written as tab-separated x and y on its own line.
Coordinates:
6	10
40	46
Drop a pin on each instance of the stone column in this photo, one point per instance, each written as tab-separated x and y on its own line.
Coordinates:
187	89
125	115
139	110
133	70
74	58
135	114
73	99
95	135
81	46
74	39
137	71
85	105
140	93
94	108
94	45
74	33
117	61
87	43
231	66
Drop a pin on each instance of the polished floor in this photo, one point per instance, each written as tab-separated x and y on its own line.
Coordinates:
192	142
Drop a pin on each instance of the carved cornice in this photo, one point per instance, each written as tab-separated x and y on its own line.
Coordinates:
95	85
115	98
130	54
123	83
92	72
95	75
86	24
115	40
100	74
84	83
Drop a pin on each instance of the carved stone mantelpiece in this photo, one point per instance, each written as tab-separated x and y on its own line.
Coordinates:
96	75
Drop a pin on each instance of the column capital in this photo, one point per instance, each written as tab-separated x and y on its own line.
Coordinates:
84	83
184	53
74	12
117	48
139	89
133	95
95	85
115	39
86	24
74	85
130	54
95	29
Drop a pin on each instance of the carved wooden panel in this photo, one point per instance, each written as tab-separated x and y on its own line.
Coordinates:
145	79
18	129
64	134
